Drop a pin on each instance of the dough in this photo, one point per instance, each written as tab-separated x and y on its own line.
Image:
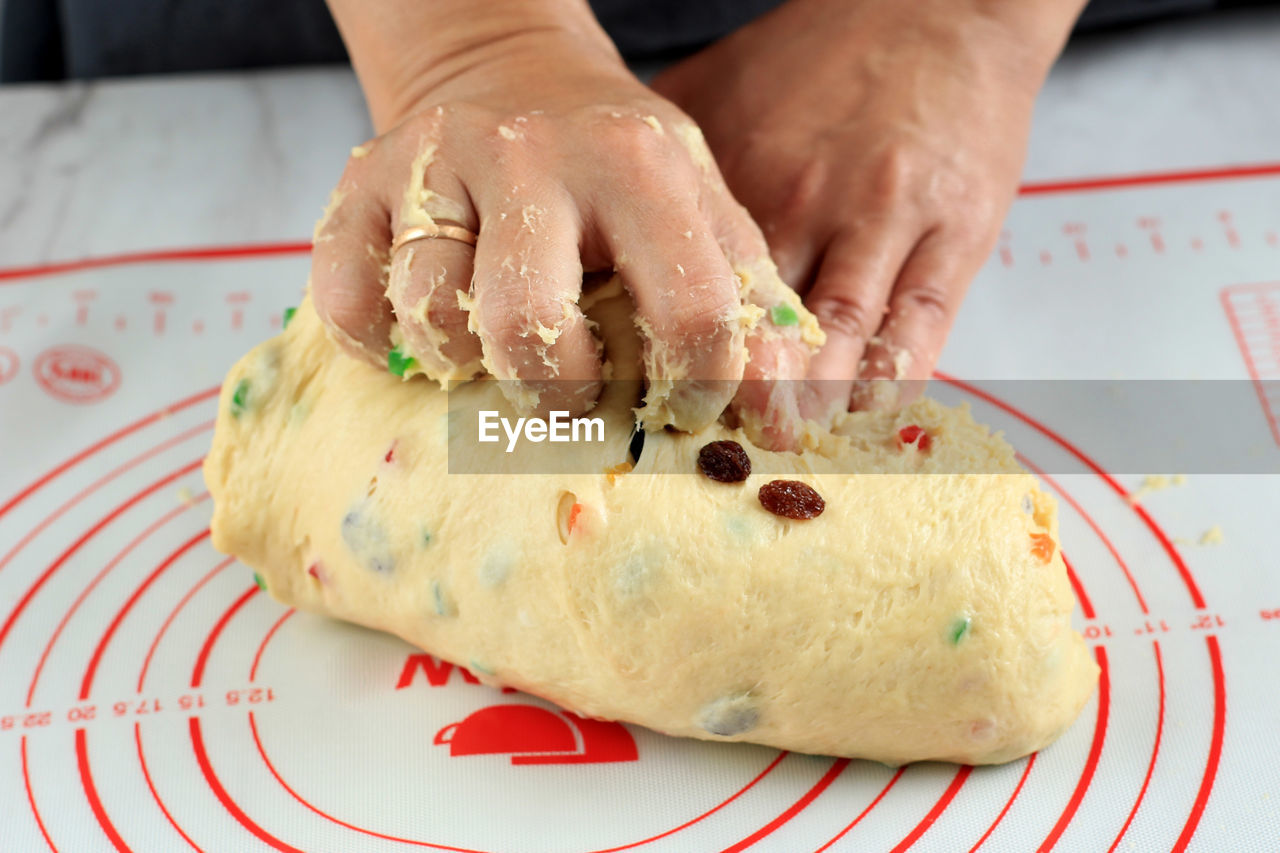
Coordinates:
918	617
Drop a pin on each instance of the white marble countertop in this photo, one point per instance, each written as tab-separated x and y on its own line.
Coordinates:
124	165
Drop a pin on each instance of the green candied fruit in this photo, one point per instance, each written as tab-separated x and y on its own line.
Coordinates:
483	669
260	581
960	629
240	398
443	606
399	363
287	317
784	315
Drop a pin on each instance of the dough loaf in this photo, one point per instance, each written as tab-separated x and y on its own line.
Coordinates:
919	617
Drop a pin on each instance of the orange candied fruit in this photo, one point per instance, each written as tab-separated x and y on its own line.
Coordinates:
612	474
1042	547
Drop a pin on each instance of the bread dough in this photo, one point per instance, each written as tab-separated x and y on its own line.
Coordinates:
919	617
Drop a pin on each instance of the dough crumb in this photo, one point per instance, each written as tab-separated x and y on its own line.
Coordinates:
1212	536
653	122
185	497
690	135
359	152
413	202
506	132
901	362
530	214
1156	483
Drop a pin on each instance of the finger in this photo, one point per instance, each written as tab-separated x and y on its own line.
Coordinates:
849	298
427	276
780	343
688	307
528	277
784	203
349	261
922	309
767	403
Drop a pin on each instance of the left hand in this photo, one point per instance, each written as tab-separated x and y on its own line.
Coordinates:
878	144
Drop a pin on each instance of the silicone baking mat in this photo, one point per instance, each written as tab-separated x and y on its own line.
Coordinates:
153	698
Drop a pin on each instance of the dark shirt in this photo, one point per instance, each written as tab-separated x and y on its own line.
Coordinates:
59	39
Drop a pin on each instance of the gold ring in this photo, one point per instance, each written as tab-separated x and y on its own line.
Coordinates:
431	232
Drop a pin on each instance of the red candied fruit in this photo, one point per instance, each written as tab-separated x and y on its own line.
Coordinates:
914	435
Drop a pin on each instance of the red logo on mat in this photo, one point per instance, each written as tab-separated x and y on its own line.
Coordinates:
77	374
532	735
8	364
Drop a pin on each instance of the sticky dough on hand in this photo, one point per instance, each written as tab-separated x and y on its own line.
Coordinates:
673	398
918	617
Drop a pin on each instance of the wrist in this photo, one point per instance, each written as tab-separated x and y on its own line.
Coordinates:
1030	33
1038	31
530	69
409	54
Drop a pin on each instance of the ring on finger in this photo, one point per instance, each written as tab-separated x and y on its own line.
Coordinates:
432	231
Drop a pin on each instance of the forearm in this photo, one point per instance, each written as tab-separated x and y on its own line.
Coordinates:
404	50
1030	33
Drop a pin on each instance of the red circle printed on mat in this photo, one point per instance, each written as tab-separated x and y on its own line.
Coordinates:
76	374
8	364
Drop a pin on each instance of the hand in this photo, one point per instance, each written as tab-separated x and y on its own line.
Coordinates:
561	161
878	144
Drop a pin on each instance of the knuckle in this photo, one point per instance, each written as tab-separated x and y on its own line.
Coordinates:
443	311
337	306
981	225
844	313
514	319
756	147
740	237
350	315
432	119
435	308
970	230
804	189
358	162
702	309
892	178
928	299
626	142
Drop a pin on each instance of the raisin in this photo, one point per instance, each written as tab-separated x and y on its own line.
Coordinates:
913	434
791	499
724	461
636	446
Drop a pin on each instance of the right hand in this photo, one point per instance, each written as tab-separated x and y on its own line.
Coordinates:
561	161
